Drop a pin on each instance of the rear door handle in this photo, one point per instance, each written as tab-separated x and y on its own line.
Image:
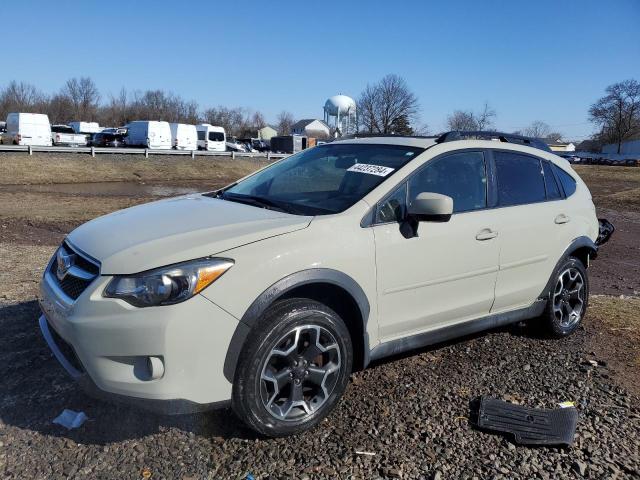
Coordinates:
562	218
486	234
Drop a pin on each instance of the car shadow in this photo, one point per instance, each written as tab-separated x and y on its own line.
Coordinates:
36	389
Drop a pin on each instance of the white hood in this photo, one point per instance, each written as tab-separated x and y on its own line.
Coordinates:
176	230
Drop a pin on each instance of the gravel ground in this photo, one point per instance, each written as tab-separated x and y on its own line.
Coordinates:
410	413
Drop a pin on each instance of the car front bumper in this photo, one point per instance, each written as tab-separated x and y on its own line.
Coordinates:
106	345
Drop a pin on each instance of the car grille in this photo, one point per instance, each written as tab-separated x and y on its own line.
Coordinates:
66	349
79	276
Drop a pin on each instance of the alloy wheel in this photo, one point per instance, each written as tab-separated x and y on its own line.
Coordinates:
569	297
300	372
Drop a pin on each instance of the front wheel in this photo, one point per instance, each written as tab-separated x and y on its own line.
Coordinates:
294	368
568	298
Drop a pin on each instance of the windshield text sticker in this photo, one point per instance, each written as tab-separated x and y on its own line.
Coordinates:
371	169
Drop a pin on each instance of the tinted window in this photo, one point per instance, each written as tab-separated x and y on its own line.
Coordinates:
553	191
461	176
201	135
393	208
567	181
519	179
216	136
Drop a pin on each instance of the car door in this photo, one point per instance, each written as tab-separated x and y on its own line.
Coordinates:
531	228
447	272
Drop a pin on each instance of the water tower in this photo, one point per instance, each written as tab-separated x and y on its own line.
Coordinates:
340	115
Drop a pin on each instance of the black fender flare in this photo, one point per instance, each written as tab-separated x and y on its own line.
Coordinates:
280	288
580	242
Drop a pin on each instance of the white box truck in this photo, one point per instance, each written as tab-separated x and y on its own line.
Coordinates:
151	134
27	129
85	127
211	138
183	136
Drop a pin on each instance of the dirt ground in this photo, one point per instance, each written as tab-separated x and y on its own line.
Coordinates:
410	412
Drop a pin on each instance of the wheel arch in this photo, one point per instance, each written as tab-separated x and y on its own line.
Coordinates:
583	248
331	287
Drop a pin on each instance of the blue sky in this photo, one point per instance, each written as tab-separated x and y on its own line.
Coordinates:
545	60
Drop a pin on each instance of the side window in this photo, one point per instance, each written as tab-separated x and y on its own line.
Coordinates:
462	176
519	179
553	191
394	207
567	181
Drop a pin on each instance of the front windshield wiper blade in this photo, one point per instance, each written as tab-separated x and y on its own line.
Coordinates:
259	202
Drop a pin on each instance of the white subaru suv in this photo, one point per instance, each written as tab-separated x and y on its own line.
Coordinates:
268	293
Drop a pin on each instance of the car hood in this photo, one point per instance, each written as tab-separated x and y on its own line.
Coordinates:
175	230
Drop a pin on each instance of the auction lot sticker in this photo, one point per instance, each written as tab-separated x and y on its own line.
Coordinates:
371	169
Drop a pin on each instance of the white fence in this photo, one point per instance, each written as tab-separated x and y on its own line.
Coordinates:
93	151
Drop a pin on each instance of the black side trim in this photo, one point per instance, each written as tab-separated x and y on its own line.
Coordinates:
432	337
580	242
275	291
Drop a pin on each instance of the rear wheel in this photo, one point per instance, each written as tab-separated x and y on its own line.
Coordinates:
568	298
294	368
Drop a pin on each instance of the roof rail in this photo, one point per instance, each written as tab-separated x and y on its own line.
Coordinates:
498	136
370	135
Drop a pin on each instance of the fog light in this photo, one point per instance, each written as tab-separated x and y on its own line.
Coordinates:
155	367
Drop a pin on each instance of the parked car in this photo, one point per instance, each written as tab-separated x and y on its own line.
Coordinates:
108	140
211	138
235	145
184	137
64	135
120	130
260	145
150	134
27	129
268	293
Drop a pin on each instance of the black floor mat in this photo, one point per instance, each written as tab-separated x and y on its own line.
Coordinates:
529	426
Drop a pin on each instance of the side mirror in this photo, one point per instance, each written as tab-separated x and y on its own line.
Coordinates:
431	207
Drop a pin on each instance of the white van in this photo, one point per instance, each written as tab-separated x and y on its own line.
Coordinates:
151	134
183	136
211	138
27	129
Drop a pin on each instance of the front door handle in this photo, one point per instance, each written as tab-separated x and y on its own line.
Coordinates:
486	234
562	218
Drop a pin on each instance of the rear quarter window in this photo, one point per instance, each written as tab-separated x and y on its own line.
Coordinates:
567	181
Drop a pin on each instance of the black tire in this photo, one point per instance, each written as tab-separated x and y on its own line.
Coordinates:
557	321
274	331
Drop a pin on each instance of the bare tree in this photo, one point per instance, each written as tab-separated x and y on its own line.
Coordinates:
484	119
387	104
462	120
618	112
84	96
233	120
285	121
537	129
21	97
467	120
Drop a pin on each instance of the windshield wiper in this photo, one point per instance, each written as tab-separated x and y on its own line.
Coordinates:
259	202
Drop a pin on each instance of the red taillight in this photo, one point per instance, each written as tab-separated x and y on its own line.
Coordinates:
57	137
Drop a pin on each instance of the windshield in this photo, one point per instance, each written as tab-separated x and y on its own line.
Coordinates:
323	180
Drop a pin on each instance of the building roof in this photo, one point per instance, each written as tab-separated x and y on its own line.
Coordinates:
301	124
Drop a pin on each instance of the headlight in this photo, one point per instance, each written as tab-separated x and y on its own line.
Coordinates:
167	285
